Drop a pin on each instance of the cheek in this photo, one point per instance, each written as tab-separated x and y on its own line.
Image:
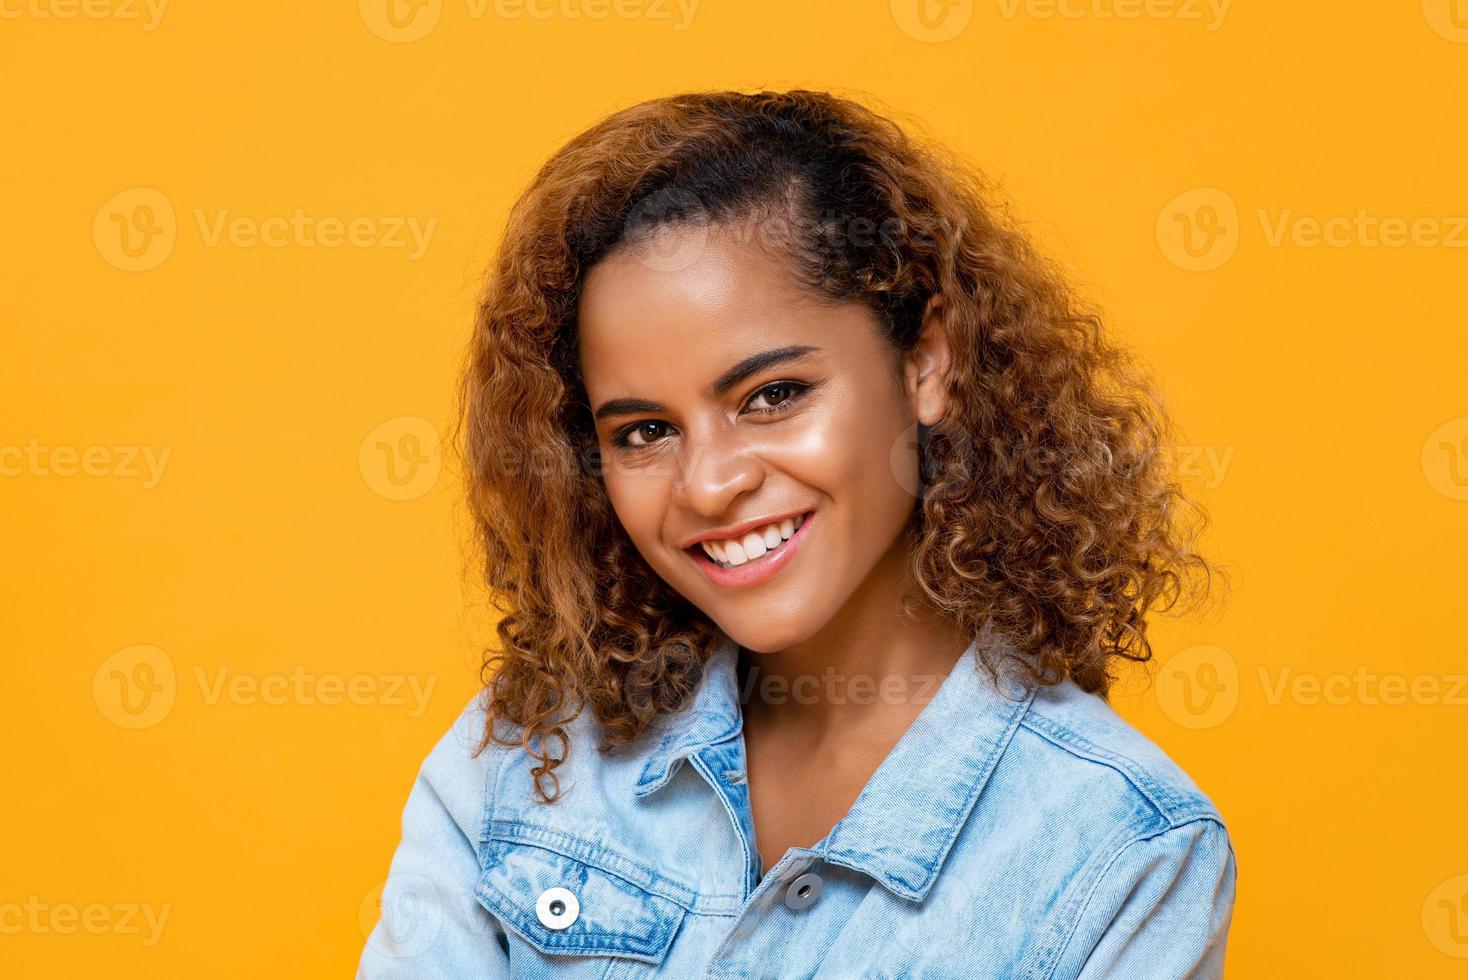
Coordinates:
639	501
632	508
858	455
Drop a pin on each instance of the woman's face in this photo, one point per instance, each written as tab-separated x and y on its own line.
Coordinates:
735	407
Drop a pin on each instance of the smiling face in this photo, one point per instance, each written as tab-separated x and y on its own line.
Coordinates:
747	428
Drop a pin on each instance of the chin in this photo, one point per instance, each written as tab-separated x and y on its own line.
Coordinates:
767	635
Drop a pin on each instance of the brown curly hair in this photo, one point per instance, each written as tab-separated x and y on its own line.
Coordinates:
1047	512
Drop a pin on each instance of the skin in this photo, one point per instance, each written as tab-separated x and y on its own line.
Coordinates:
841	446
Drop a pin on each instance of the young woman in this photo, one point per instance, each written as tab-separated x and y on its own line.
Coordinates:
820	515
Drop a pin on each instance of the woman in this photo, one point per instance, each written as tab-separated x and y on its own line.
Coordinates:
820	517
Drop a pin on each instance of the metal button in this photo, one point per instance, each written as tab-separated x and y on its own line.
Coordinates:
557	908
803	891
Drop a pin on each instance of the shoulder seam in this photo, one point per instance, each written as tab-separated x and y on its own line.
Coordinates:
1055	954
1176	809
491	794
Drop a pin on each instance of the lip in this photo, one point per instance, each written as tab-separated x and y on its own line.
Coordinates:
755	572
739	530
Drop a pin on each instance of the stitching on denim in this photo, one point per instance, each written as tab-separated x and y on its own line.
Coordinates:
699	764
491	798
667	764
1175	807
653	946
606	858
1066	916
600	856
1080	903
657	757
982	773
664	908
1001	745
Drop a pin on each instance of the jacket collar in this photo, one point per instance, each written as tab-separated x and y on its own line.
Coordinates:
713	717
907	817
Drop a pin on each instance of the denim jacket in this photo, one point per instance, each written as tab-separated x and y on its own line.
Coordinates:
1026	832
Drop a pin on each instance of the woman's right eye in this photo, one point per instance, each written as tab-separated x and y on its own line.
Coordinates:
640	435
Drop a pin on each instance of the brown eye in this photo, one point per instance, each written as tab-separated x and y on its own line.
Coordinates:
641	434
777	396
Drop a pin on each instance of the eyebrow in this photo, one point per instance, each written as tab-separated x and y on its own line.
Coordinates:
752	364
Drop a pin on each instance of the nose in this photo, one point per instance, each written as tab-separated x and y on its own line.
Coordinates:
715	469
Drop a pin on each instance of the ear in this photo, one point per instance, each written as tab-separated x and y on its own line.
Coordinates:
925	367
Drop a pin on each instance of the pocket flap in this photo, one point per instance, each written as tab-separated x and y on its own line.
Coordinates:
613	917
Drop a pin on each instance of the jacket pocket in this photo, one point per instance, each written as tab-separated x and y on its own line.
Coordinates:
525	886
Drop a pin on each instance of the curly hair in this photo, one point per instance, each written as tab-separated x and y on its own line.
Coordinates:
1047	512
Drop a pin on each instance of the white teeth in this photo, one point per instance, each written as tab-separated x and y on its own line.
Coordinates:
754	544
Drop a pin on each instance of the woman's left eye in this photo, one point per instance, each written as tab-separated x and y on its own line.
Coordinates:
778	396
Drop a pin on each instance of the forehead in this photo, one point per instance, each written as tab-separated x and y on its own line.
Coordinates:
692	301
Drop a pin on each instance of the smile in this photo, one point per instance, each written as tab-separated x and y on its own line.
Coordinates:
752	557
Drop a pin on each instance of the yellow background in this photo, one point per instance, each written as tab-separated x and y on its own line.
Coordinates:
1173	155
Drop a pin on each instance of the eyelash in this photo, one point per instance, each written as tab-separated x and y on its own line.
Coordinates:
798	390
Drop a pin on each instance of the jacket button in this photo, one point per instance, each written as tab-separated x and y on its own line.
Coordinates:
803	891
557	908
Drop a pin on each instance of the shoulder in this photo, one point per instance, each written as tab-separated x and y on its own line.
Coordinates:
1080	785
1144	866
1155	874
431	923
1089	751
482	784
460	771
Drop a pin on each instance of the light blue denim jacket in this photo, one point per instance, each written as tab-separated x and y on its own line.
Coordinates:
1027	834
